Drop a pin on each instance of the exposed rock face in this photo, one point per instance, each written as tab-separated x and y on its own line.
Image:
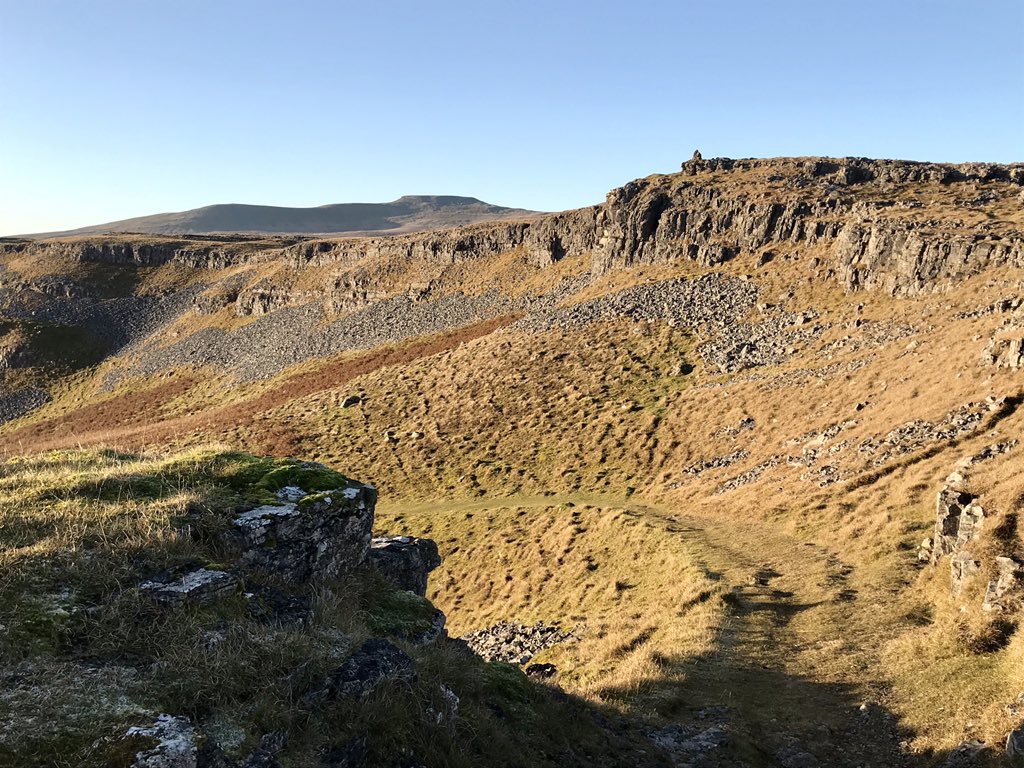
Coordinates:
1004	352
190	252
545	240
1000	595
695	216
320	536
663	219
404	561
904	259
264	298
958	521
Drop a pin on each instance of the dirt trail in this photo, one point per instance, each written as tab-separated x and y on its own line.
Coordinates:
790	662
792	669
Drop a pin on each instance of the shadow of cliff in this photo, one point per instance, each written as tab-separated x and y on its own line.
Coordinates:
746	715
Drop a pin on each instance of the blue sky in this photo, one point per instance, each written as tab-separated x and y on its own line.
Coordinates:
119	108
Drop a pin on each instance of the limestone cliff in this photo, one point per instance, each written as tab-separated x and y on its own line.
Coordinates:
898	226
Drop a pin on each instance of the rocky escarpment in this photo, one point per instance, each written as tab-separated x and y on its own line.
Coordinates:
703	216
871	217
194	251
545	240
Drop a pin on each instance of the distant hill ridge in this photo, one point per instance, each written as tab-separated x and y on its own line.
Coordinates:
409	213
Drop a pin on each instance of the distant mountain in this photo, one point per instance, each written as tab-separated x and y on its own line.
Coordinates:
411	213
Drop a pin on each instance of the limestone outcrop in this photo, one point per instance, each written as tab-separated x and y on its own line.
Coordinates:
301	543
805	201
1004	352
959	521
320	535
404	561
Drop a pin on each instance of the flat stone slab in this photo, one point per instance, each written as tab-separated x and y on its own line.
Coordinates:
199	586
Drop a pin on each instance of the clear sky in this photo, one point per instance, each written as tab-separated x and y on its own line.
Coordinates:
118	108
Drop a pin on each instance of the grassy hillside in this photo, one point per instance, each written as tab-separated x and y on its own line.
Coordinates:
81	532
723	493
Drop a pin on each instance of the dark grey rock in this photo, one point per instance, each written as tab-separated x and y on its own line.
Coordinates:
351	754
1015	743
275	606
794	757
375	662
404	561
541	671
261	758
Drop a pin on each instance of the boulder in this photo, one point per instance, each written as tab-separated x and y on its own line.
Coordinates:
1004	353
319	536
962	566
541	671
404	561
969	753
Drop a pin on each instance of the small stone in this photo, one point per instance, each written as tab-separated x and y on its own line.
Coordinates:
794	757
291	494
541	671
176	747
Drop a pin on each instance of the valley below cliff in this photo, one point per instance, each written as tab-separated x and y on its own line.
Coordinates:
723	471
